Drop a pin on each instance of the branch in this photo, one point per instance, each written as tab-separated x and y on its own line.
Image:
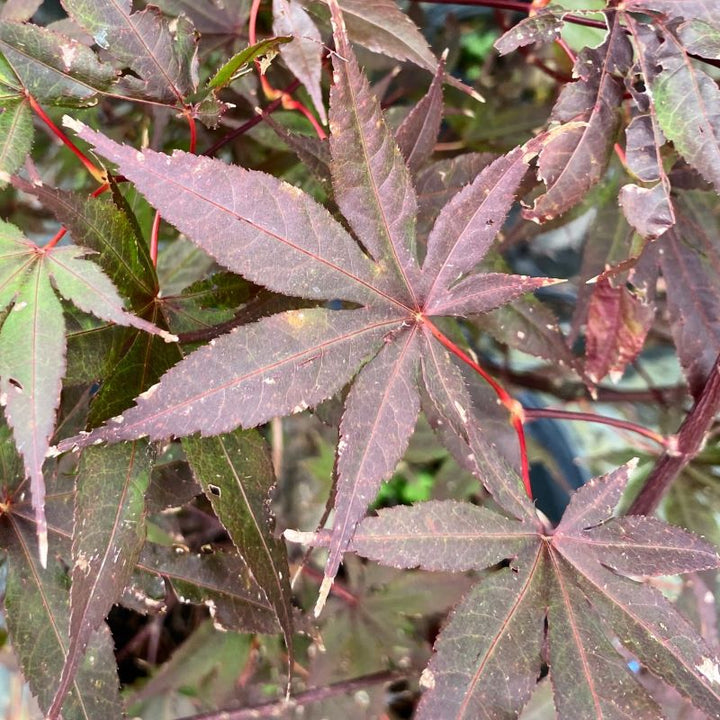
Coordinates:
253	121
688	442
280	708
555	414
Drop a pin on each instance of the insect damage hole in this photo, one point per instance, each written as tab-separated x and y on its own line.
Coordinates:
215	490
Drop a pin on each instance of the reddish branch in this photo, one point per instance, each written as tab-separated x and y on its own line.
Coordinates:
253	121
98	174
688	443
552	413
288	102
280	708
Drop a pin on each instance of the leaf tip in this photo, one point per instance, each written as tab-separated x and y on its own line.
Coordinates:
168	337
323	595
297	536
43	547
73	124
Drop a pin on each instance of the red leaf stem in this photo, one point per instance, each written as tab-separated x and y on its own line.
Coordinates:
154	238
98	174
517	414
155	231
555	414
253	121
273	93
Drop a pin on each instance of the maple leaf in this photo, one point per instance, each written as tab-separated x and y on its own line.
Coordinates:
276	236
572	163
32	335
162	54
580	578
685	99
304	54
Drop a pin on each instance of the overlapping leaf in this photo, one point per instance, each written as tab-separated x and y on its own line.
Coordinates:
278	237
236	475
36	605
304	54
675	9
162	55
108	536
572	163
686	100
52	67
488	657
690	261
33	338
617	324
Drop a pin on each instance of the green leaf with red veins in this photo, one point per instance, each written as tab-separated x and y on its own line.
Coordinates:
101	226
32	365
271	232
37	612
304	54
417	134
371	182
468	224
16	135
685	98
589	678
237	476
572	162
381	411
617	324
108	535
84	284
701	38
489	654
54	68
161	53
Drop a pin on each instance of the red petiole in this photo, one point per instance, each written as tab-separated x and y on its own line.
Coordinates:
517	414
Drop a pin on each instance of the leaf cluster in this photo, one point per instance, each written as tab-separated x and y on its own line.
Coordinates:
365	283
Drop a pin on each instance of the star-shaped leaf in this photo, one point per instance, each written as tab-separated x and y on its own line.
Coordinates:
276	236
564	597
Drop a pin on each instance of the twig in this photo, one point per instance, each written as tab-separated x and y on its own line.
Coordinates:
688	442
280	708
556	414
253	121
